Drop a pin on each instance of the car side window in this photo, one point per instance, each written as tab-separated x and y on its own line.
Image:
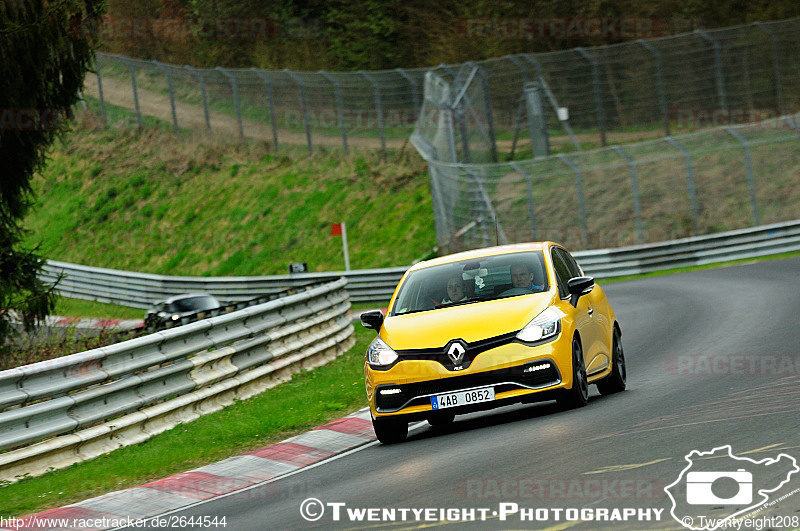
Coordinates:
572	265
562	273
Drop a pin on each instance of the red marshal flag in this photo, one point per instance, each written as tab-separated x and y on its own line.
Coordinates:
336	229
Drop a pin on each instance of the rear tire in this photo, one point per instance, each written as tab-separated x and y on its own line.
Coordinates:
578	396
390	430
616	381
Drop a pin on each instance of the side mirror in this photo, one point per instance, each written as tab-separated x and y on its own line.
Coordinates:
579	286
373	319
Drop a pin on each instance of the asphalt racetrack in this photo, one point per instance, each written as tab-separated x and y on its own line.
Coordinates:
713	360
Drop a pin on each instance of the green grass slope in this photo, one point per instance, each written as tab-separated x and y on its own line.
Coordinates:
146	201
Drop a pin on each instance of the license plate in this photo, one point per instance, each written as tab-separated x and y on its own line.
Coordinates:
463	398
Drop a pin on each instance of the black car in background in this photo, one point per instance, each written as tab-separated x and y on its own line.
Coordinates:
169	312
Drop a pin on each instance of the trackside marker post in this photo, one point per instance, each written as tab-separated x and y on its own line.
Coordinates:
340	229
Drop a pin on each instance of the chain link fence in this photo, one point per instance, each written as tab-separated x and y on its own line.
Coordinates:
607	94
655	190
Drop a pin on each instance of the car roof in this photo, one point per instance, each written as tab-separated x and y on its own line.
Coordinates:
186	296
484	252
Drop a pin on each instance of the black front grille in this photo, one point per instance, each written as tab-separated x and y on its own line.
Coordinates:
471	351
515	375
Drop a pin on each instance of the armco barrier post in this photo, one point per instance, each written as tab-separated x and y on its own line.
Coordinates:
662	98
723	103
581	203
304	103
235	88
748	164
202	79
133	86
637	205
339	111
598	99
689	181
268	84
378	106
529	185
171	94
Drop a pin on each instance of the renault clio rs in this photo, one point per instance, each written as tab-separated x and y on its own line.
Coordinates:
486	328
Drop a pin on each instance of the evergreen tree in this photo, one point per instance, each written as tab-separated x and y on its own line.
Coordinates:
45	50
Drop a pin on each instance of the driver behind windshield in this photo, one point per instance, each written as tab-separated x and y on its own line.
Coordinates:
523	277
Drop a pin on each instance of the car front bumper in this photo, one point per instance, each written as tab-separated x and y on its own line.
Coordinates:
517	372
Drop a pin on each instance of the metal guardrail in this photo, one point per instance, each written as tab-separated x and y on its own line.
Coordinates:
141	290
739	244
89	403
376	285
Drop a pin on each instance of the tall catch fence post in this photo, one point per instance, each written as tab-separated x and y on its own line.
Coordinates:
520	107
171	92
719	74
100	93
487	101
378	107
304	102
776	71
339	107
598	98
235	87
529	186
414	89
689	182
662	97
637	205
268	85
748	164
132	70
581	202
202	79
537	120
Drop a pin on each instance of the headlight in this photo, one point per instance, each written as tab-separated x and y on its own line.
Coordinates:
544	326
380	354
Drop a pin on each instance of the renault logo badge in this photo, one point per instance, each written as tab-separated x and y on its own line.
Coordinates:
456	352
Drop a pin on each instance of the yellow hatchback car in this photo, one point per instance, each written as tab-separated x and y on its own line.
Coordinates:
486	328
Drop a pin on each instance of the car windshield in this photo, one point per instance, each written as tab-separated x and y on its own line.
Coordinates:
468	281
194	304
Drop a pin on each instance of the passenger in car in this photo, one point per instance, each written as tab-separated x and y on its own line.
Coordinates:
455	290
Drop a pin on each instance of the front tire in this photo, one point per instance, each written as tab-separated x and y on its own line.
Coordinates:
390	430
616	381
578	396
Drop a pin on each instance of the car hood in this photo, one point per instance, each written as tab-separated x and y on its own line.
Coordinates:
470	322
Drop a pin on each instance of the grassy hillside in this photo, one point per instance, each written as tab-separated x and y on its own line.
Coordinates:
145	201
